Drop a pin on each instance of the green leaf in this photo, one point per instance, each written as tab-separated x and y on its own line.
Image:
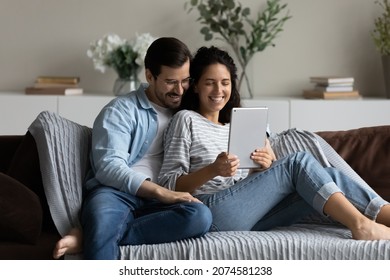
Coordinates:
243	52
205	30
246	12
229	4
208	37
238	25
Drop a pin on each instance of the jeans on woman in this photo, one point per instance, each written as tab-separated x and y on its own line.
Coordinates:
292	187
111	218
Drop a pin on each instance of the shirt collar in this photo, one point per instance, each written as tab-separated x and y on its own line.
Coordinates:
142	97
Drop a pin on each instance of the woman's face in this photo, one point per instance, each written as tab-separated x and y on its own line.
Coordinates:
214	88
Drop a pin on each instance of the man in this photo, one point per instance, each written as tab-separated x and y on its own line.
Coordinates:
123	205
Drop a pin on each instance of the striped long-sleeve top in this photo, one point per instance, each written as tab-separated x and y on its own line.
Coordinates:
191	142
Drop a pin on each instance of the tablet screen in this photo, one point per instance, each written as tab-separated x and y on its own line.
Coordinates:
248	129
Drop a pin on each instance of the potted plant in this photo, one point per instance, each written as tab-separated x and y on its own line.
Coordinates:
232	22
126	57
381	36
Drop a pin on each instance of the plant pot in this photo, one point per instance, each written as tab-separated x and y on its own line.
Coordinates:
386	74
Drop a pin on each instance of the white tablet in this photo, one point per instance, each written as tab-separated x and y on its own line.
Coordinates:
248	131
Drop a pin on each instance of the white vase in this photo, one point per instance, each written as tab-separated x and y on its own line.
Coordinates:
123	86
245	86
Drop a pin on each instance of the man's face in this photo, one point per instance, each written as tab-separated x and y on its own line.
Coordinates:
168	87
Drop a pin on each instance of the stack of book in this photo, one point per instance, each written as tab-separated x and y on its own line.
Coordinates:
55	85
332	87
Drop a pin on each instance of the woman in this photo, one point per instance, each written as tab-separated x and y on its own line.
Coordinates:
196	161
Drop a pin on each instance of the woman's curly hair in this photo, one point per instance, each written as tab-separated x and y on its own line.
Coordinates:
204	57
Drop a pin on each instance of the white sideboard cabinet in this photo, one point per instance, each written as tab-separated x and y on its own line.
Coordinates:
18	110
322	115
82	109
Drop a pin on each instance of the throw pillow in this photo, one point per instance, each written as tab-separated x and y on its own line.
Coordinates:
366	151
20	212
24	167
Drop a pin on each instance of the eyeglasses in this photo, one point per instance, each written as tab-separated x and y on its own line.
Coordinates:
175	83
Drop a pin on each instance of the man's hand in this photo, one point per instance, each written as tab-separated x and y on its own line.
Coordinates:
151	190
169	197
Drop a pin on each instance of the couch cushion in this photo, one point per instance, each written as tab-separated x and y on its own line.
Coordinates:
367	151
41	250
20	211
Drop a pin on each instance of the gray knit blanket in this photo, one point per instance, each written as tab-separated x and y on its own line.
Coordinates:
63	148
295	140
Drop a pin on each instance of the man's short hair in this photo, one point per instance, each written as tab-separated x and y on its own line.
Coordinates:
166	51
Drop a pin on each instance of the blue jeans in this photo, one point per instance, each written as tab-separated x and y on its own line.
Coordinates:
111	218
290	189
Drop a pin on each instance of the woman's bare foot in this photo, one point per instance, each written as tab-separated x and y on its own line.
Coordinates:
370	230
69	244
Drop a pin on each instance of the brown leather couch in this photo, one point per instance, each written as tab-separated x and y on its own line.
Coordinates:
27	230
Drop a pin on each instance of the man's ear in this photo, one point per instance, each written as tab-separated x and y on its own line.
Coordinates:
149	76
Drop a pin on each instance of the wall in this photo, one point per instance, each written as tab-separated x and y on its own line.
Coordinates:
50	37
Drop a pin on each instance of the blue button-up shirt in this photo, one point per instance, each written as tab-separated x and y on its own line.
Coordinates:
121	135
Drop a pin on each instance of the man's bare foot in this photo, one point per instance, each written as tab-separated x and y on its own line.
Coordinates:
69	244
370	230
